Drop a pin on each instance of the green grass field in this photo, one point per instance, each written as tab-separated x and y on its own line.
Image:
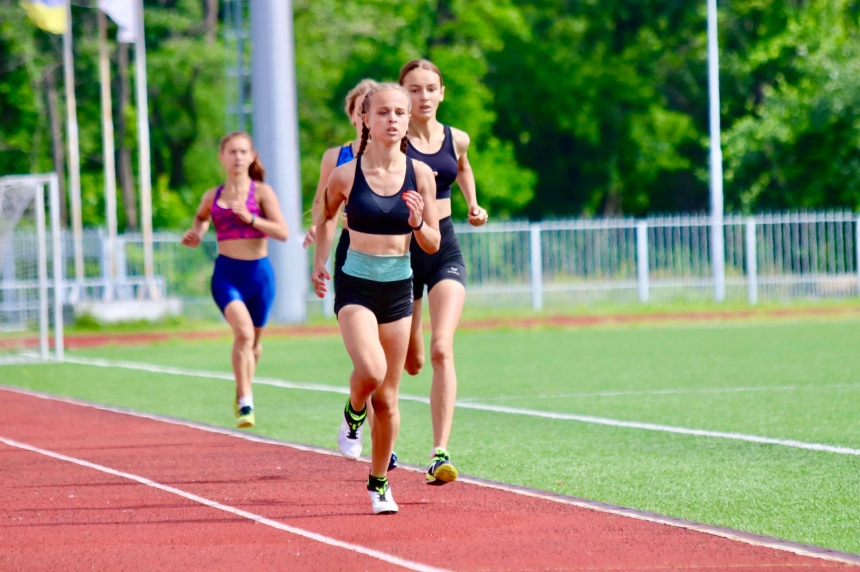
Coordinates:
782	379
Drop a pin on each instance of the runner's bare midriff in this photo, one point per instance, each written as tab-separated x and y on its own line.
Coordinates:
244	248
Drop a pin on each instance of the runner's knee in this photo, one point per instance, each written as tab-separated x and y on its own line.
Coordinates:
384	403
441	353
370	375
244	338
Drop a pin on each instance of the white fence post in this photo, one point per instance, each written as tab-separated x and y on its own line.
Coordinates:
106	257
7	277
42	256
857	251
121	269
642	259
718	257
57	260
536	267
752	261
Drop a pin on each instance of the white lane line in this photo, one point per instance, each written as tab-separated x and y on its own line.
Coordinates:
807	387
20	359
486	407
207	374
342	390
662	428
463	402
391	559
739	536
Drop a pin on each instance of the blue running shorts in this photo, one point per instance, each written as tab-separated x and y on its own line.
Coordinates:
251	281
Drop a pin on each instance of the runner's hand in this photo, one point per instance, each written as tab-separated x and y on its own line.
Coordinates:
191	239
310	237
241	211
416	207
478	216
318	279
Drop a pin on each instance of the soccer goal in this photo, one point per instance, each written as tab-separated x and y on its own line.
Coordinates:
28	291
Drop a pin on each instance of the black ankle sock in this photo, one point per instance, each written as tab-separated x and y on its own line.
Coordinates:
375	483
353	414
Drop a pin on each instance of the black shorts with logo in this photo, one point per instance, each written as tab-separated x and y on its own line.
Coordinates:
446	264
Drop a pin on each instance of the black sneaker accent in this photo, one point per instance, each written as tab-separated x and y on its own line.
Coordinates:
245	410
354	419
378	485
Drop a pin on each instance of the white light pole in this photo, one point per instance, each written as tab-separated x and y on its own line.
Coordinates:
276	137
717	241
108	152
143	150
74	157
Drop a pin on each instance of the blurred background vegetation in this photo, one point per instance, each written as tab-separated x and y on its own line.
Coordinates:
574	107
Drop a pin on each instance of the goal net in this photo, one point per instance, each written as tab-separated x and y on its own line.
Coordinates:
31	317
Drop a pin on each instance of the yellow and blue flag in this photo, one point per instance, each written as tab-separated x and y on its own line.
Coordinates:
50	15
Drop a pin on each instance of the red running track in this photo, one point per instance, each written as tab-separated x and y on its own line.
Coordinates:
55	514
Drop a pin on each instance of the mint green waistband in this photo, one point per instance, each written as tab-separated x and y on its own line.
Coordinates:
377	268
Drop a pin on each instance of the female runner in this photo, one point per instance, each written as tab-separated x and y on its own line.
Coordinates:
443	149
335	157
245	212
391	200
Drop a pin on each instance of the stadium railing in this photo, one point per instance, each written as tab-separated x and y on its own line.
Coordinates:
775	256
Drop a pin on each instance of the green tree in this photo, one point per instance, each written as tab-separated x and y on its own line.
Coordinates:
601	101
340	43
27	55
185	79
580	107
794	79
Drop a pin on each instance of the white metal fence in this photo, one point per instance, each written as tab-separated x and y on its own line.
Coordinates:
773	256
552	263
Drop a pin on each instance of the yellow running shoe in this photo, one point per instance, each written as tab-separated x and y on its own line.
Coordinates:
236	408
441	470
245	418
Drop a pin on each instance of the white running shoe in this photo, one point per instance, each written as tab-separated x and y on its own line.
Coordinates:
349	439
382	500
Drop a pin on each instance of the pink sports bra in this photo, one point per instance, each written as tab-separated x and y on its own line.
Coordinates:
228	226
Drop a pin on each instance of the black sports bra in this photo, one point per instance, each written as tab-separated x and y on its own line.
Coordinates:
443	163
374	214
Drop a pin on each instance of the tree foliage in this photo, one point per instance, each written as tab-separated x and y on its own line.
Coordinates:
586	107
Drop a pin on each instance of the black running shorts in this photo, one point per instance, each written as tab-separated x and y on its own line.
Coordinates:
389	301
447	264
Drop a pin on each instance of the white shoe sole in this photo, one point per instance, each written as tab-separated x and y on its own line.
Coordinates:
387	506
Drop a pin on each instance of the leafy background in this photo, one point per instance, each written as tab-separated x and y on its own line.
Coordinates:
575	108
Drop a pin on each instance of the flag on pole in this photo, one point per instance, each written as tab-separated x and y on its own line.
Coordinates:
49	15
122	12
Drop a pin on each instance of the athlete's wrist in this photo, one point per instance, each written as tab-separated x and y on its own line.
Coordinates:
420	225
253	219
